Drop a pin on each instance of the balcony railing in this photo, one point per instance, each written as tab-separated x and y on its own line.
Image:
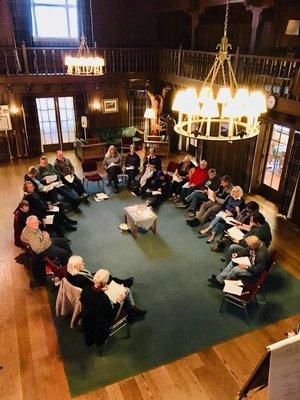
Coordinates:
280	76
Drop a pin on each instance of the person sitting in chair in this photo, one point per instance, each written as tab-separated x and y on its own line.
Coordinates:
67	174
112	163
94	300
162	186
132	166
151	166
258	255
78	276
180	177
49	194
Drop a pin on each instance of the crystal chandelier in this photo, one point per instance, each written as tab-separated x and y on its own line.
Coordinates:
84	63
221	111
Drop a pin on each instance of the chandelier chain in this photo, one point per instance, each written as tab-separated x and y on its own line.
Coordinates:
226	18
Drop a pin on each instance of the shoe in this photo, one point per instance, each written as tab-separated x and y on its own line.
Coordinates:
210	240
193	222
84	196
128	282
135	314
148	191
35	284
71	221
223	259
216	249
214	281
70	228
190	214
68	240
181	205
134	194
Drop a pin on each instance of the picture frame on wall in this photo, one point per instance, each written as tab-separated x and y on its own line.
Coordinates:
110	106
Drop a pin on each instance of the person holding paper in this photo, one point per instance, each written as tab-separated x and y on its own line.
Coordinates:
96	301
258	227
48	173
231	207
49	193
197	178
201	195
242	222
80	277
67	174
112	164
132	166
180	177
258	256
151	166
160	190
210	208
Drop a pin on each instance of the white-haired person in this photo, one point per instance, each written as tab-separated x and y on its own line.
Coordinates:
95	301
78	276
258	255
112	163
232	207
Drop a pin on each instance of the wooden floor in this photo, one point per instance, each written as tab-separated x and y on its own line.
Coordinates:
32	368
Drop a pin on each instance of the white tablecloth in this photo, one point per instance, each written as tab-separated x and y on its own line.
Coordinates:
140	215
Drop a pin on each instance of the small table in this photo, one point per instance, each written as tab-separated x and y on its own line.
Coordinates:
140	216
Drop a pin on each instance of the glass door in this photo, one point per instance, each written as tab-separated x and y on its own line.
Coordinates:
274	162
57	122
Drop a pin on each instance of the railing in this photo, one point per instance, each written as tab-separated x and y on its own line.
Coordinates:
280	76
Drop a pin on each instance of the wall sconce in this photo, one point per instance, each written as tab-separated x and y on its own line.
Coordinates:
14	109
293	27
96	105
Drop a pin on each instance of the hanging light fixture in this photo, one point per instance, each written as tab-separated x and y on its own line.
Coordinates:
84	63
229	114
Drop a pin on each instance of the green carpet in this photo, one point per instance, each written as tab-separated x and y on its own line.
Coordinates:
170	271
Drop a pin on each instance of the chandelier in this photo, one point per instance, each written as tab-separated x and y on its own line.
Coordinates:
84	63
222	110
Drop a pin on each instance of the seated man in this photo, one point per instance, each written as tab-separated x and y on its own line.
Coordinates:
41	243
161	185
49	193
132	166
258	227
46	169
259	257
151	166
196	179
78	276
98	304
200	195
210	207
66	169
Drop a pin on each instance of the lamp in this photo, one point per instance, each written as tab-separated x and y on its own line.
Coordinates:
149	113
233	106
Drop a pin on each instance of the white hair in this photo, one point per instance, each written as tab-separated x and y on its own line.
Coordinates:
73	265
237	189
31	218
101	277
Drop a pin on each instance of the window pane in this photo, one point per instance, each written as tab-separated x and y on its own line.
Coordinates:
73	22
60	2
45	26
72	2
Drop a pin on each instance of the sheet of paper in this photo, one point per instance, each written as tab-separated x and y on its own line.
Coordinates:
69	178
235	233
222	214
211	195
230	221
58	184
49	219
186	186
232	287
129	168
242	260
55	209
176	178
47	188
155	192
50	178
101	196
114	290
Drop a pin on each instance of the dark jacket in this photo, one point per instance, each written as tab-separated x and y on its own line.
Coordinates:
80	280
133	160
184	173
263	232
64	167
231	203
260	263
37	204
156	161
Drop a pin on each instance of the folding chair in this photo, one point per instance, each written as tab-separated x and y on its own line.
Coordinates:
90	173
250	292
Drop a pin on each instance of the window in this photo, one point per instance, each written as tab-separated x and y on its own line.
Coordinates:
54	19
276	156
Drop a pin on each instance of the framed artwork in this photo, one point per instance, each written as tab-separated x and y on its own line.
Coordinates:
110	106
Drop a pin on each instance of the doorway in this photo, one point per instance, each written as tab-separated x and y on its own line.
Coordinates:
271	185
56	122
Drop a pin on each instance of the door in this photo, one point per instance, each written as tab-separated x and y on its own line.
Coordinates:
271	185
56	122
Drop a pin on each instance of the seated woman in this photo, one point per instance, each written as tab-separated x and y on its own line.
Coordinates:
48	195
98	304
132	166
21	214
45	170
180	177
151	166
232	207
39	207
112	164
161	185
78	276
242	222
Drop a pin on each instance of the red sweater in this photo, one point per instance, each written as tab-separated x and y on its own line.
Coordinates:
199	176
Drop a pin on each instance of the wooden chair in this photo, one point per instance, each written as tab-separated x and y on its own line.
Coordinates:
248	295
171	168
126	142
90	173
